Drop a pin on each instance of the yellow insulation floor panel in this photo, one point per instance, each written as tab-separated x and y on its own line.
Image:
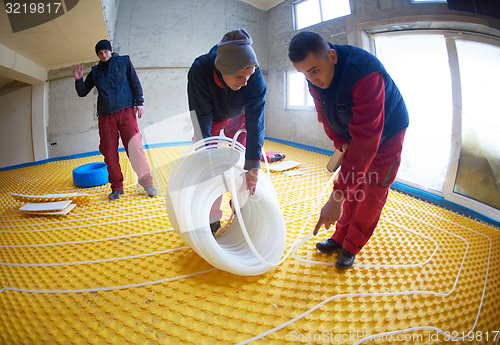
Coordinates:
117	273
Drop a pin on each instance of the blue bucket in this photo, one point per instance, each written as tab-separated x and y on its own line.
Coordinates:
90	175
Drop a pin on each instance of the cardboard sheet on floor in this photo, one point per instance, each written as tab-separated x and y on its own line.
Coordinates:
75	197
284	166
62	212
57	206
293	173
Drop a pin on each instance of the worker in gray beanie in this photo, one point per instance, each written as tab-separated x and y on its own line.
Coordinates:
235	52
226	91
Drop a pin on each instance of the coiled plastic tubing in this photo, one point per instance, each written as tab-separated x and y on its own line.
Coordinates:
255	240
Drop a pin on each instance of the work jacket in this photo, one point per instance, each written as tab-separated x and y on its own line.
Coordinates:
362	107
117	82
212	100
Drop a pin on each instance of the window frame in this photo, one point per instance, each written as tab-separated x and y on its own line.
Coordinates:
448	192
424	2
294	14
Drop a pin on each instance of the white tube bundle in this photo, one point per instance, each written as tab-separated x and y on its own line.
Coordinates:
255	240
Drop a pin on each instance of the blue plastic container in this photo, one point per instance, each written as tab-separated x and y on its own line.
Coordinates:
90	175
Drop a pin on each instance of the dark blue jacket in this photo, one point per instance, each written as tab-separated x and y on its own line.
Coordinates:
117	82
212	100
362	107
337	100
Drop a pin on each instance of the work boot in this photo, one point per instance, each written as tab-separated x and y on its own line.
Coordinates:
215	226
115	195
345	260
328	246
151	190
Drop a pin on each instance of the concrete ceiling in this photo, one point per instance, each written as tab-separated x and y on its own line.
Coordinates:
3	81
263	4
63	41
69	39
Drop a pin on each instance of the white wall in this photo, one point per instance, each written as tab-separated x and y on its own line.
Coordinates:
72	126
166	117
298	126
39	119
15	127
162	39
165	37
110	14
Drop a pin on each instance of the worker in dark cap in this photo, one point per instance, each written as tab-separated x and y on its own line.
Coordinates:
120	99
226	91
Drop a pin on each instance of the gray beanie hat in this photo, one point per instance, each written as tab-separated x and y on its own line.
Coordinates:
234	52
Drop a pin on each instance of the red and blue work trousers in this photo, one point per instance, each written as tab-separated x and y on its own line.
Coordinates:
123	124
361	210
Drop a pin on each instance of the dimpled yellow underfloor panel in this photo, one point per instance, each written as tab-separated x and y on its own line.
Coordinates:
117	273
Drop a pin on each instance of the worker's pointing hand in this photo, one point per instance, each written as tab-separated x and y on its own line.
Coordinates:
331	211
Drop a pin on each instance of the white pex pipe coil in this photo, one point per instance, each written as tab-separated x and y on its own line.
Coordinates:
255	240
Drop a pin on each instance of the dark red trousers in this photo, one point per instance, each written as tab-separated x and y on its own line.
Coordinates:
230	127
123	124
361	211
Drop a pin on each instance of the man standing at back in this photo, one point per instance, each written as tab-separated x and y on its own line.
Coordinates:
120	97
226	91
364	114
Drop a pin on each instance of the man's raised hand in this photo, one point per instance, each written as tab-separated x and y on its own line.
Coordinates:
78	72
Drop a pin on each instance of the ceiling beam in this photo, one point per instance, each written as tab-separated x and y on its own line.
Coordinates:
17	67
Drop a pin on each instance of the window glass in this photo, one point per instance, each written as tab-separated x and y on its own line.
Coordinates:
334	9
419	66
298	96
307	13
310	100
478	175
296	89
